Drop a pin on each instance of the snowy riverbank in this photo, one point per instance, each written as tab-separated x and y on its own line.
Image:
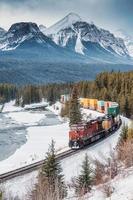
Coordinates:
40	126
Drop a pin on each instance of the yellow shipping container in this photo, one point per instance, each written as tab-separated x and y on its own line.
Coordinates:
93	104
85	102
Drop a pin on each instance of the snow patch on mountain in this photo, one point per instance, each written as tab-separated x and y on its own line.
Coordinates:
2	32
66	22
79	48
21	32
128	39
8	46
71	32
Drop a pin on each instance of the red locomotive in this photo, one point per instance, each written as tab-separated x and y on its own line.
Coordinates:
85	133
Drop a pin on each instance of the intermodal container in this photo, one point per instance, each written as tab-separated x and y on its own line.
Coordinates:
113	104
106	106
85	102
93	104
81	101
100	103
113	110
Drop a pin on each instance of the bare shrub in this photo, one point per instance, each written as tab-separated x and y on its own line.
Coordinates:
7	195
107	169
44	191
107	189
125	153
99	172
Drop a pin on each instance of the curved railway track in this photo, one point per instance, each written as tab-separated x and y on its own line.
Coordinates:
37	165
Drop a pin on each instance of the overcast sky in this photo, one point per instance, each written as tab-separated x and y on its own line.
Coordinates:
109	14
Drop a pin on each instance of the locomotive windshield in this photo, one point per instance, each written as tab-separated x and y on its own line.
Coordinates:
76	127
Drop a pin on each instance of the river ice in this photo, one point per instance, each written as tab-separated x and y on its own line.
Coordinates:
14	122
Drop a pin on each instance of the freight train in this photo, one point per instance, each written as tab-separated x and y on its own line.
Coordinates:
85	133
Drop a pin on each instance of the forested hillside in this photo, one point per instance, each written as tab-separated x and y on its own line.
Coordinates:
114	86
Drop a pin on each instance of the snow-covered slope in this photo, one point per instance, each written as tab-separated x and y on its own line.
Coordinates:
64	23
128	39
24	41
42	28
2	32
2	37
85	38
24	34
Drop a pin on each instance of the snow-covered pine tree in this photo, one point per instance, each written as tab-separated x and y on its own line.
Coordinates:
84	180
53	172
74	108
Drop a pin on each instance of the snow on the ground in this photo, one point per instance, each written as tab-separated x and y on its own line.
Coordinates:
10	107
36	105
26	118
20	186
90	114
55	108
122	186
71	166
38	140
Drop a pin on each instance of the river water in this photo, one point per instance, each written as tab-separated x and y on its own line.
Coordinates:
13	134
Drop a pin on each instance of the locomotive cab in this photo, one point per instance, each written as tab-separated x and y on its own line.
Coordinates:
75	135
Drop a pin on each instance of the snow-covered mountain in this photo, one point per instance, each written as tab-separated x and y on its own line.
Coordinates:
64	23
128	39
85	38
2	32
24	33
69	40
42	28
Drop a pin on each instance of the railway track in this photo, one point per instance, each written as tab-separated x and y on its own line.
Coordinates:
33	167
37	165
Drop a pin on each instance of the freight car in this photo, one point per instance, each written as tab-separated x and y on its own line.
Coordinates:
86	133
106	107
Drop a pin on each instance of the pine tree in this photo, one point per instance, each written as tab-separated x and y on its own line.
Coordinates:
84	180
53	172
51	97
74	108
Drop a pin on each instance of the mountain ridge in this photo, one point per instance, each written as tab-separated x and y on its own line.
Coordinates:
77	31
70	36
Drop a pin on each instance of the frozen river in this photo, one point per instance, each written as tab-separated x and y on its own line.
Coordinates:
13	133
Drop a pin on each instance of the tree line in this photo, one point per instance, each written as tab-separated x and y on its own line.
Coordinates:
110	86
7	92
